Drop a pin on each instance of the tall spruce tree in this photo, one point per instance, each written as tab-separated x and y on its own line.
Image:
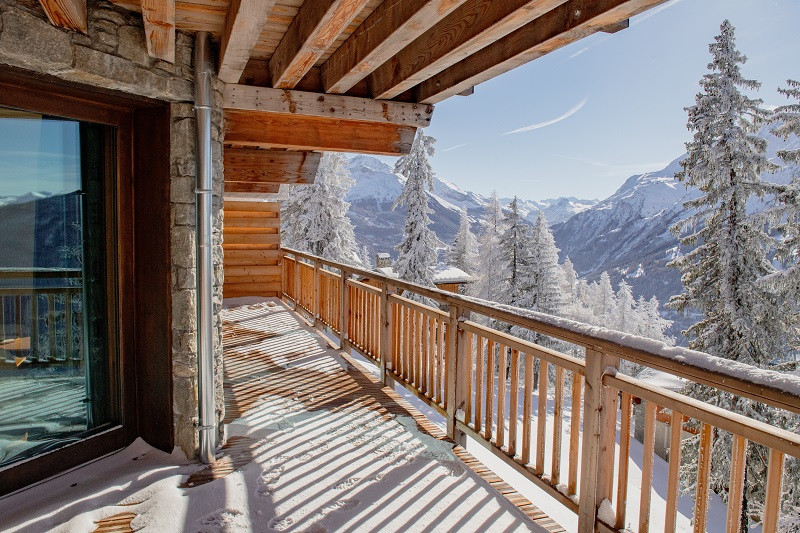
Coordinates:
515	247
543	278
490	259
314	217
464	252
727	250
417	251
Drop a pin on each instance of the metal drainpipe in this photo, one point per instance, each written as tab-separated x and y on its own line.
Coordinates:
205	343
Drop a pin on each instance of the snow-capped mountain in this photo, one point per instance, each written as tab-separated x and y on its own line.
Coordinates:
381	229
23	198
627	234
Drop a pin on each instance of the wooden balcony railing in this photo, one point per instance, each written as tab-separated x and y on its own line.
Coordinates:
475	376
41	315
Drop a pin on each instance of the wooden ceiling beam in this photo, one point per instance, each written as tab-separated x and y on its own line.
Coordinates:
566	24
67	14
244	22
260	188
474	25
391	27
299	132
159	28
252	165
314	29
285	101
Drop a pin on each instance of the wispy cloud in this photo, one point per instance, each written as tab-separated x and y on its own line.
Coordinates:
616	169
654	11
453	148
565	116
579	52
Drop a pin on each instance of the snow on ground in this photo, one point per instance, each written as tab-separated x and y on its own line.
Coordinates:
314	469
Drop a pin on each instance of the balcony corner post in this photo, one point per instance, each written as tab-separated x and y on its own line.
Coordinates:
344	313
452	371
599	434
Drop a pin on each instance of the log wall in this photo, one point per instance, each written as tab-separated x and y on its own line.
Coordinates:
251	240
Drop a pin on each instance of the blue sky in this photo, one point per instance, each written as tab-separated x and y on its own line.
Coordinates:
620	99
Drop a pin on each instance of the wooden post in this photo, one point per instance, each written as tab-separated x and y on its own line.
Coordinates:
599	437
282	264
344	298
297	283
386	328
315	307
452	370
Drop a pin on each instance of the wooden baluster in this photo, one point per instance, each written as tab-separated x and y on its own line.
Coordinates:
18	317
558	410
424	355
469	361
463	392
513	396
501	398
431	358
51	326
574	434
527	409
733	520
441	353
385	330
315	307
772	501
624	453
703	475
673	482
487	430
34	323
451	374
541	417
599	437
650	411
416	318
68	331
344	312
407	325
297	294
479	373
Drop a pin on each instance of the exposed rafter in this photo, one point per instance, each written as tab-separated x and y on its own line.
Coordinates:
474	25
284	101
391	27
159	28
68	14
252	165
299	132
314	29
617	27
244	22
260	188
566	24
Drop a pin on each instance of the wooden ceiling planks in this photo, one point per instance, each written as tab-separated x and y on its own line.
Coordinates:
314	29
567	23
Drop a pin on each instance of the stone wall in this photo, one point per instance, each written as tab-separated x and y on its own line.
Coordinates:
113	55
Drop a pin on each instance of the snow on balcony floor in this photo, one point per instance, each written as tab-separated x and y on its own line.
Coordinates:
327	450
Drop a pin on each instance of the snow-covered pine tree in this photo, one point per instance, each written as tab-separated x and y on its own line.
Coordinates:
490	259
543	278
727	249
464	252
603	302
417	251
515	249
786	216
366	258
652	324
314	217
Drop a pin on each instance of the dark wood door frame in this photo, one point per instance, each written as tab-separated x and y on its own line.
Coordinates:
139	290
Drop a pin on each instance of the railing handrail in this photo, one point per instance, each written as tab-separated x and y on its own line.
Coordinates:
766	386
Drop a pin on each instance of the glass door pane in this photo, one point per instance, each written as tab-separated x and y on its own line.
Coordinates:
57	371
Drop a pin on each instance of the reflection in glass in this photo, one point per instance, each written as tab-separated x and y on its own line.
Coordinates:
56	383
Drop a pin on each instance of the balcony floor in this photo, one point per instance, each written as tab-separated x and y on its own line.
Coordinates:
315	443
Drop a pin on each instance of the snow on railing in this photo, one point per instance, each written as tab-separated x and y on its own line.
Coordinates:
562	421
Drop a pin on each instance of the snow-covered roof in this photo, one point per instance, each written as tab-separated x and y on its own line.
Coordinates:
386	271
383	255
452	274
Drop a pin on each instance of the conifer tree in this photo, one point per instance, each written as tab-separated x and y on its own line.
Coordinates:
464	252
490	258
543	278
417	251
314	217
515	254
727	249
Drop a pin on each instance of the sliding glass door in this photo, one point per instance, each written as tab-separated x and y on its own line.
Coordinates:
59	378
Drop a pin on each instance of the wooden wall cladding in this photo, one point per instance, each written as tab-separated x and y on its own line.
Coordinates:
251	243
